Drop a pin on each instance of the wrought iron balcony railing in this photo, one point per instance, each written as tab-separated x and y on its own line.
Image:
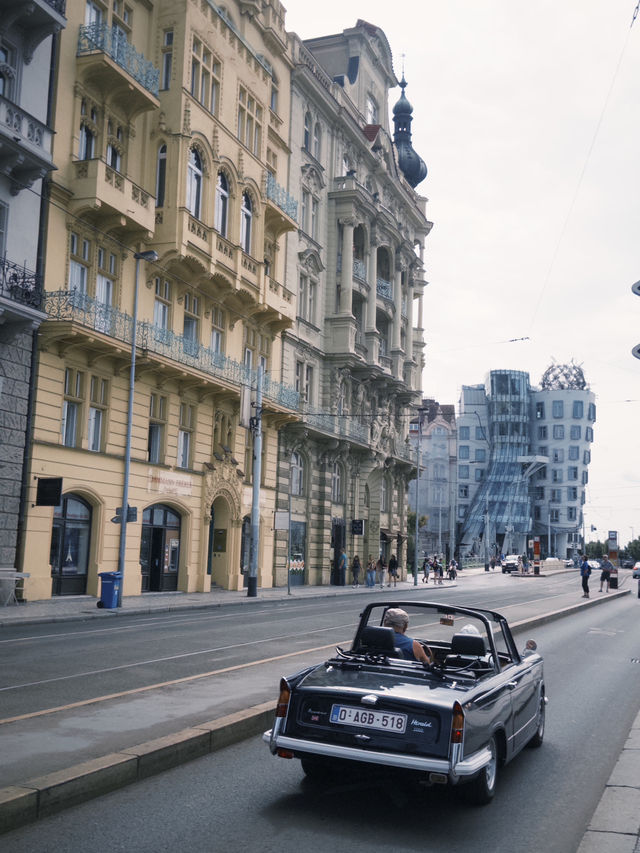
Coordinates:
59	5
384	288
346	427
113	42
281	197
89	312
359	269
20	284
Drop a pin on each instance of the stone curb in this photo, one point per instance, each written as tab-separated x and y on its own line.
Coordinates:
46	795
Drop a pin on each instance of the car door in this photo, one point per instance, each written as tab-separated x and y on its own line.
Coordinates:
522	683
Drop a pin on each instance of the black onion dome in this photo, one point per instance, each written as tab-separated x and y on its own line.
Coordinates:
411	164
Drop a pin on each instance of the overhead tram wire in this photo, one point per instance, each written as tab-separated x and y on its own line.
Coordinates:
563	230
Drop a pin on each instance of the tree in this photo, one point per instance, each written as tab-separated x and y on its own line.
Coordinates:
411	536
595	550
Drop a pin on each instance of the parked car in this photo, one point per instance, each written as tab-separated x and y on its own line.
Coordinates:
636	570
369	705
510	563
627	564
594	565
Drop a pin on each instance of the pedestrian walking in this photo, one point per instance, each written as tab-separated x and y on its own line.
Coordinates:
342	568
381	568
585	571
393	570
605	576
425	570
453	570
355	571
371	572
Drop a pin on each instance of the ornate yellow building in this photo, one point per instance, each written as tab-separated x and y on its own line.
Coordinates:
171	123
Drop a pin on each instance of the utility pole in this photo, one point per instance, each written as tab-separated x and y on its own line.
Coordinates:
486	530
415	548
256	429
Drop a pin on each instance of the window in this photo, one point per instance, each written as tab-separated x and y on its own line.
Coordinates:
336	483
572	513
463	433
554	516
543	450
314	218
480	434
161	175
556	475
167	59
157	423
88	131
463	451
71	407
185	432
218	326
191	332
305	204
578	409
221	213
194	183
592	412
205	77
541	474
115	146
558	432
245	223
558	455
536	513
80	250
273	100
540	411
93	14
317	141
556	496
4	221
588	434
574	452
306	138
384	495
557	409
586	457
575	433
257	349
542	433
307	299
572	493
105	285
372	110
304	380
97	412
479	474
463	472
249	122
585	477
539	493
481	454
463	491
572	472
297	474
162	305
462	511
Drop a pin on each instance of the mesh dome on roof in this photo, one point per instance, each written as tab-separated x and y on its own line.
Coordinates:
563	377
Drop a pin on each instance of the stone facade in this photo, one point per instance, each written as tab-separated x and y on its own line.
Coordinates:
26	37
355	351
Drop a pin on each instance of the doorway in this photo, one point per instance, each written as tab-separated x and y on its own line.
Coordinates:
160	549
70	542
338	541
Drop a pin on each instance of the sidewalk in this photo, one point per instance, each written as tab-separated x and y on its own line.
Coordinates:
614	827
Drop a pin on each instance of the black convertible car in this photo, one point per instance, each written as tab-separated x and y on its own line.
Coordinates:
453	720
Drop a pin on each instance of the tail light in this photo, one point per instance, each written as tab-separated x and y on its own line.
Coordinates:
457	723
283	699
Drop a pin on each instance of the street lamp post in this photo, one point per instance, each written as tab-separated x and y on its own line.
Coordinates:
124	512
415	548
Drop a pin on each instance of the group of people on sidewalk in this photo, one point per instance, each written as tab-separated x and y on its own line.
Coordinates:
376	570
437	567
585	573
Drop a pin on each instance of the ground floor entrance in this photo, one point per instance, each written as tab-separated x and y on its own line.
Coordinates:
160	549
70	543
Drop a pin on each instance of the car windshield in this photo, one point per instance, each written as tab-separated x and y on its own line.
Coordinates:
436	626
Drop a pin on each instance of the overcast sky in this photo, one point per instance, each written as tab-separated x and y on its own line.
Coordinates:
527	113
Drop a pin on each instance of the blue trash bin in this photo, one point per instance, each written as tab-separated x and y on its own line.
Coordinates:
109	589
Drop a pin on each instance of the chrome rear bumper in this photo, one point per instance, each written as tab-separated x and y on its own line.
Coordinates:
452	769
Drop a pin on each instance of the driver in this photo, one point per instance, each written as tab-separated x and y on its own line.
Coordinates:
398	619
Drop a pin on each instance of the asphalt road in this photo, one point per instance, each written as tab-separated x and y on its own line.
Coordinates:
244	798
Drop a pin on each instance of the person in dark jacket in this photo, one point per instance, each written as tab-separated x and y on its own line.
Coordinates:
355	571
585	571
393	570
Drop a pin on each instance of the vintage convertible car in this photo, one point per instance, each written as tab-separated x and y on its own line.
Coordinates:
455	720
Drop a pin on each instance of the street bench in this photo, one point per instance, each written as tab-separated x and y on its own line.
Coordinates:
8	581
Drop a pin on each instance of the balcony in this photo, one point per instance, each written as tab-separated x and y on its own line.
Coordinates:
25	146
157	344
120	203
384	289
20	297
344	427
104	54
39	18
281	213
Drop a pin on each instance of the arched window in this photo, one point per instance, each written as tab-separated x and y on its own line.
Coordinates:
245	223
70	546
161	175
306	142
194	184
297	474
317	141
336	483
222	204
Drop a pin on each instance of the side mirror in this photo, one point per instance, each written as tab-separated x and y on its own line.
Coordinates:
529	648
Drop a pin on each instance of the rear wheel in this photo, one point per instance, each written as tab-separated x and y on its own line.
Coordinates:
480	790
538	737
318	769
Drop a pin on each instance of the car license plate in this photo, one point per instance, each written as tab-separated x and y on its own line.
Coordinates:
382	720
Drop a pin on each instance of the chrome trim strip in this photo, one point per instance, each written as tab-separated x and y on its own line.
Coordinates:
465	767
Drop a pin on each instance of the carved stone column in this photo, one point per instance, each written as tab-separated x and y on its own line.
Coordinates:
346	279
